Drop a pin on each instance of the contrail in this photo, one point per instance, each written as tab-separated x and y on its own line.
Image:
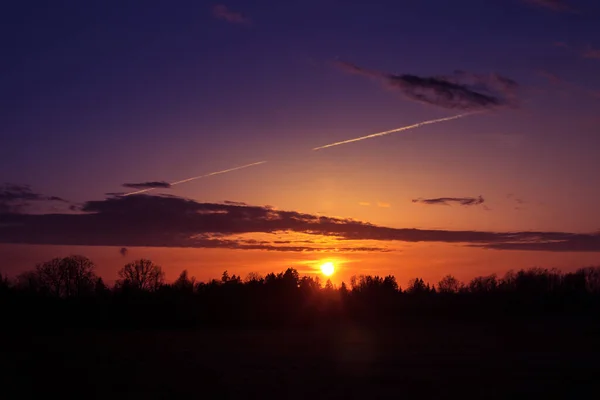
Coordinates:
199	177
404	128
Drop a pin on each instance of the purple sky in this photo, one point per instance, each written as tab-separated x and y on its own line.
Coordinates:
96	94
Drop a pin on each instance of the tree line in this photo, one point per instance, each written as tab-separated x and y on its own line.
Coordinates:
67	291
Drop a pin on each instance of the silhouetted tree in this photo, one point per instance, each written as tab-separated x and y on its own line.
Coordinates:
233	279
29	282
329	285
100	289
184	283
417	286
309	284
286	298
64	277
141	275
343	289
390	284
483	284
592	278
5	285
291	278
448	284
254	277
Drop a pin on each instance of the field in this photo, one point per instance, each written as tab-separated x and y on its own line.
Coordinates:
424	360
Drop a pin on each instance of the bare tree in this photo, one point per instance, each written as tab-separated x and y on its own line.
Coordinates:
254	277
142	274
449	284
65	277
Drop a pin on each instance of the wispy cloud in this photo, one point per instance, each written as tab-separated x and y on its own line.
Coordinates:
16	198
592	53
169	221
221	11
550	76
383	204
148	185
462	90
554	5
519	202
565	86
446	201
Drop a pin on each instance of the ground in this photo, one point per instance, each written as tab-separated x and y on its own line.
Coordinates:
424	360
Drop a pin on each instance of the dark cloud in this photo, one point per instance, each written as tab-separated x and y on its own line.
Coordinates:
446	201
240	244
462	90
16	198
123	251
519	203
235	203
221	11
148	185
554	5
169	221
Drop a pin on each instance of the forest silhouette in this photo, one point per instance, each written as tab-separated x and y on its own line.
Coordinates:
68	292
283	335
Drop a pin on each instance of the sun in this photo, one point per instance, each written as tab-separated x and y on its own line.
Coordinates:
328	269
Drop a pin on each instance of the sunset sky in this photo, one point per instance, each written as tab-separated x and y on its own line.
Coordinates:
98	94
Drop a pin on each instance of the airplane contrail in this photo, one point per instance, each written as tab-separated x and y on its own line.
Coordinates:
199	177
404	128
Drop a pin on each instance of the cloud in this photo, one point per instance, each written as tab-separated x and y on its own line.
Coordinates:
554	5
148	185
383	204
235	203
15	198
123	251
446	201
567	87
592	53
462	90
550	76
221	11
170	221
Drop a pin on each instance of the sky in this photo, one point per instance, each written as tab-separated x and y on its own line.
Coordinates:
101	99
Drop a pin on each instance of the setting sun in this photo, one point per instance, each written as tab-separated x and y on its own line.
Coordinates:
328	269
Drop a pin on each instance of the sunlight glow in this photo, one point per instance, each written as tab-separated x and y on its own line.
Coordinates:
327	269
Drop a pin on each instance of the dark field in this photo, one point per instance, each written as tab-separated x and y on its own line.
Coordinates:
557	358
